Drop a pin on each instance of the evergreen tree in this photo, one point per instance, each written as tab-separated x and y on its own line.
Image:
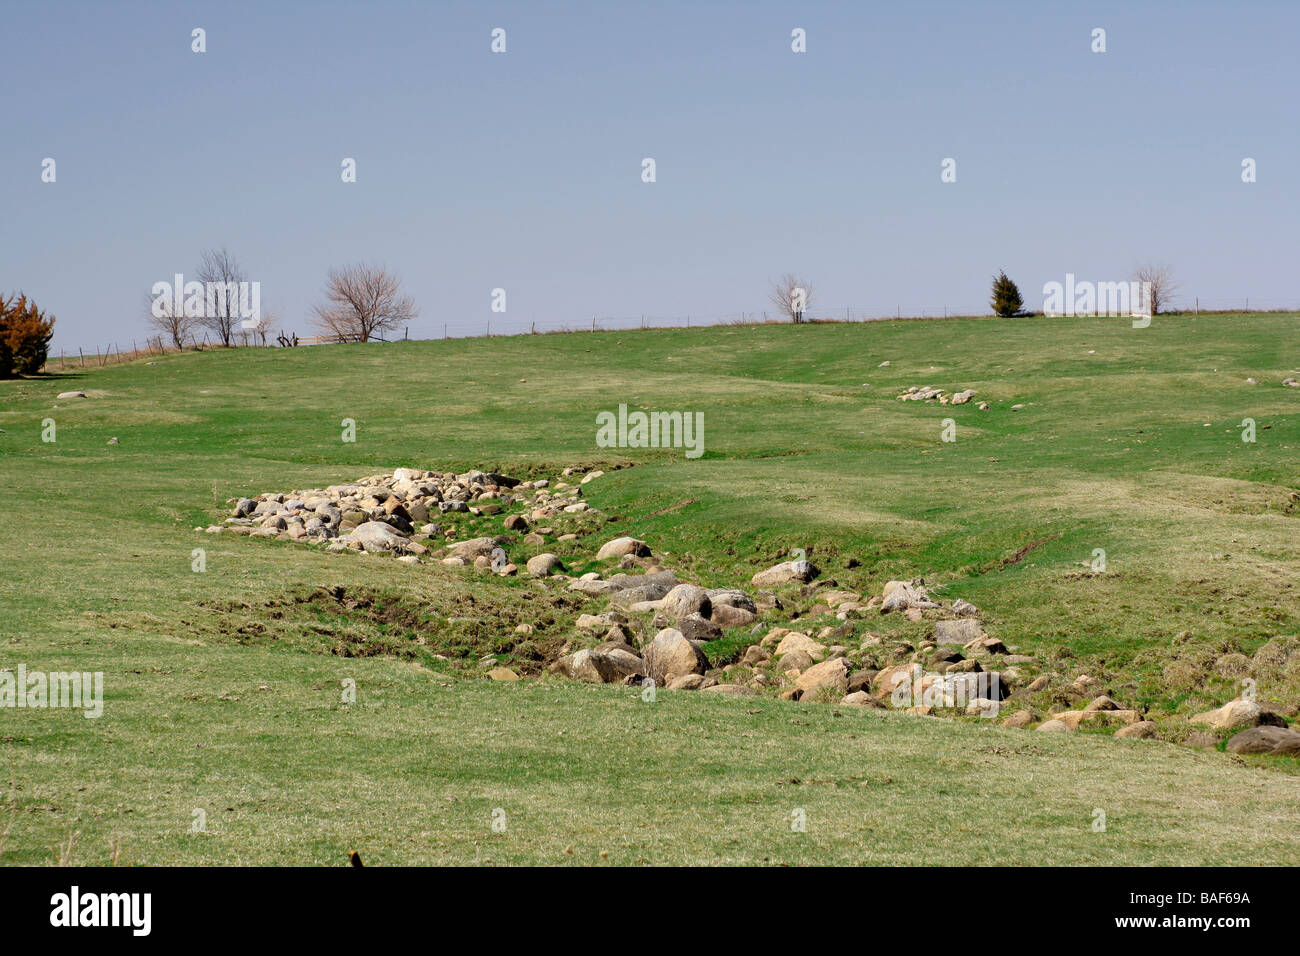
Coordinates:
1006	297
25	333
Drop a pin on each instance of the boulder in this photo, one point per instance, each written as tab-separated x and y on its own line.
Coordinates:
731	608
621	546
962	631
1266	739
796	660
824	681
973	685
1054	726
687	682
963	608
785	573
860	698
795	641
541	565
502	674
601	667
834	599
902	596
886	680
593	587
1141	730
984	645
377	536
1102	702
1019	720
699	629
670	655
473	548
1238	714
686	599
861	680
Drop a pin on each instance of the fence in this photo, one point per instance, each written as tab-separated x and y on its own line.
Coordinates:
500	325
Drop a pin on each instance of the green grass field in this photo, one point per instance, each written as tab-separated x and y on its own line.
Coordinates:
1130	440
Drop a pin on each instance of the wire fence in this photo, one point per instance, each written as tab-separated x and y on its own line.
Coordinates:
503	325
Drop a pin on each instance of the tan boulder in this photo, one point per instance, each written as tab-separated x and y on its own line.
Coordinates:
684	600
794	641
1238	714
670	655
541	565
687	682
827	680
785	573
1142	730
1054	726
621	546
601	667
860	698
1020	719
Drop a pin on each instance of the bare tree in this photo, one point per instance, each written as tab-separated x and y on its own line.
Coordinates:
791	296
218	269
1159	279
169	318
266	321
362	301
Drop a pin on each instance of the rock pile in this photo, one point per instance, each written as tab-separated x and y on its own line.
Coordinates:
656	627
391	513
925	393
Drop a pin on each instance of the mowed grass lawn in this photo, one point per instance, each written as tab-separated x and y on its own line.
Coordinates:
1129	441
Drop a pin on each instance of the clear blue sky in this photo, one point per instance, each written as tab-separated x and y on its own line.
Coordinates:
522	171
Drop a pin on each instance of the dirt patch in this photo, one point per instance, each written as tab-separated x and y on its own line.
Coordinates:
1024	552
368	622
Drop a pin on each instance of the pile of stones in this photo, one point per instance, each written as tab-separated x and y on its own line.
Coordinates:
653	628
925	393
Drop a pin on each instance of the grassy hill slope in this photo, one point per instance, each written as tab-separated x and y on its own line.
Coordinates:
1129	441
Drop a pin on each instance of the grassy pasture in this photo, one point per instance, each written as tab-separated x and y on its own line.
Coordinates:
1129	441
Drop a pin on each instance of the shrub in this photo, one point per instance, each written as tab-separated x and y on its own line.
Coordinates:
1006	297
25	333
